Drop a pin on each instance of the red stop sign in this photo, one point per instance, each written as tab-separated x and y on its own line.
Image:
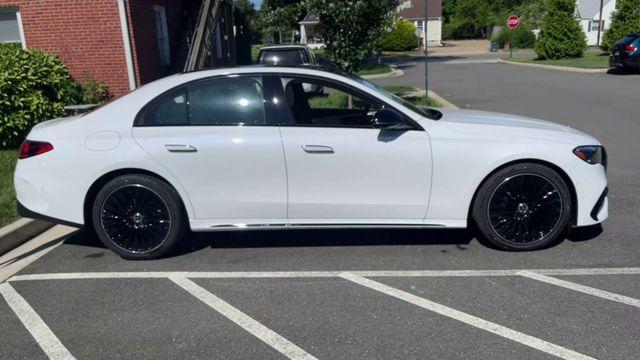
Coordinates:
513	22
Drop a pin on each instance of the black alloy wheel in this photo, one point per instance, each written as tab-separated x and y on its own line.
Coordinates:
523	207
138	216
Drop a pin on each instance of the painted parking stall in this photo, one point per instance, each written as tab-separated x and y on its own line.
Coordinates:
248	308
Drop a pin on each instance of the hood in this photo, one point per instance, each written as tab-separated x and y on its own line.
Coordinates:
513	126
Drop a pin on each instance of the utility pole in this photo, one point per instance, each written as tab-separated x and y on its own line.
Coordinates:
600	23
426	54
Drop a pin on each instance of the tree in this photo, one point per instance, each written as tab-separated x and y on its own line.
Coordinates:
351	28
561	35
469	19
281	16
401	38
532	13
244	15
624	21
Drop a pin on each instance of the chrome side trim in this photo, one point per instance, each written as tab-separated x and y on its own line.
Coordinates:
322	226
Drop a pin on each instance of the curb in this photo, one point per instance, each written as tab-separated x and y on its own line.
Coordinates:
446	104
555	67
395	72
21	231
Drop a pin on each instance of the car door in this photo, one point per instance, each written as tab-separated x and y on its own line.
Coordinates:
343	170
215	137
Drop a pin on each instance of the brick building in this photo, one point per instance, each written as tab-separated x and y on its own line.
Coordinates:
125	43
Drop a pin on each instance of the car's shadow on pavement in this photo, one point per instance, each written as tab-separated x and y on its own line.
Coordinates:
459	238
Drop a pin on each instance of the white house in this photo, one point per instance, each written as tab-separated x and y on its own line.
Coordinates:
414	12
588	13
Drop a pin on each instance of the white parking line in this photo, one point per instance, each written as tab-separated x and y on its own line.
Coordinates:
582	288
258	330
312	274
43	335
494	328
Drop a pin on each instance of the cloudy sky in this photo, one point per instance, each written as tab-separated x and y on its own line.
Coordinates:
257	3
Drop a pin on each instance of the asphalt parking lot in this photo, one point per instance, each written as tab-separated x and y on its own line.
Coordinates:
363	294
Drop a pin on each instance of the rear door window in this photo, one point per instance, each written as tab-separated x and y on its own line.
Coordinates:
282	57
220	101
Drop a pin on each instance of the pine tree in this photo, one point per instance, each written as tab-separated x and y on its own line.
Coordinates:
624	21
561	35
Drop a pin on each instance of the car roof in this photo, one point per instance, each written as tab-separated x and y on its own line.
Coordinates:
284	47
261	68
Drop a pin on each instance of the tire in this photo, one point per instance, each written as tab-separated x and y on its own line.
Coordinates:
523	207
139	217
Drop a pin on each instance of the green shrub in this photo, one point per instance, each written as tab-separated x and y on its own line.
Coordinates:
624	21
401	38
523	38
94	92
561	35
34	87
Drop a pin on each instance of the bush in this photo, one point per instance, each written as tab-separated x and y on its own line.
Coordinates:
401	38
561	35
94	92
34	87
523	38
624	21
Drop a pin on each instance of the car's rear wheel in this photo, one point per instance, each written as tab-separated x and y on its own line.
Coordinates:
138	216
523	207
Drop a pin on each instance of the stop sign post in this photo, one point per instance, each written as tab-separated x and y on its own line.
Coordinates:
513	22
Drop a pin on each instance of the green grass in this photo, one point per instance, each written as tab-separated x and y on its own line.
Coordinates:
8	211
374	69
588	61
400	89
424	101
335	100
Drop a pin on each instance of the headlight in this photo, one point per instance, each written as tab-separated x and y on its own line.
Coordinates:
592	154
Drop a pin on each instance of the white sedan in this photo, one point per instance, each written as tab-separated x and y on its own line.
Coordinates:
249	148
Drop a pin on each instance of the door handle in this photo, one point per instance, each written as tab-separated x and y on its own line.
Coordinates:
317	149
180	148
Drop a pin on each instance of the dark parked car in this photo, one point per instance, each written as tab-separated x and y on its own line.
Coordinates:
286	55
626	53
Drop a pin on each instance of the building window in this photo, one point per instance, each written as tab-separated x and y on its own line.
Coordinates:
162	33
11	27
593	25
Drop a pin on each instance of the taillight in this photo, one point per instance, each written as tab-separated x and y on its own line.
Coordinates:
629	48
33	148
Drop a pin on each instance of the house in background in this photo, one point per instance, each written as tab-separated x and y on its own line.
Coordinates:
588	13
415	12
125	43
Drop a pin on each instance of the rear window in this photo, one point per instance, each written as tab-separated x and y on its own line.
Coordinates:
282	57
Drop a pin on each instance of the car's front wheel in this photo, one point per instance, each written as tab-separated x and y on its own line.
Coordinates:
138	216
523	207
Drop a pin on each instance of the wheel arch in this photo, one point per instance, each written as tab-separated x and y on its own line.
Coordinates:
554	167
102	180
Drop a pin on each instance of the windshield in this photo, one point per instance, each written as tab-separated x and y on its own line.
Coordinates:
422	111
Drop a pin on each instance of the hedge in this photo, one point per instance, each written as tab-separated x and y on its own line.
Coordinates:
401	38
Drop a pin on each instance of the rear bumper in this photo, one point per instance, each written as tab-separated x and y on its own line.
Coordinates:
24	212
618	61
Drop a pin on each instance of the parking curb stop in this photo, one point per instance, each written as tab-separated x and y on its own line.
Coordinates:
21	231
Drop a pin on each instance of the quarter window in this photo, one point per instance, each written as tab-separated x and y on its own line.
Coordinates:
223	101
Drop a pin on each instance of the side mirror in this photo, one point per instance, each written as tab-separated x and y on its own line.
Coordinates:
389	119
